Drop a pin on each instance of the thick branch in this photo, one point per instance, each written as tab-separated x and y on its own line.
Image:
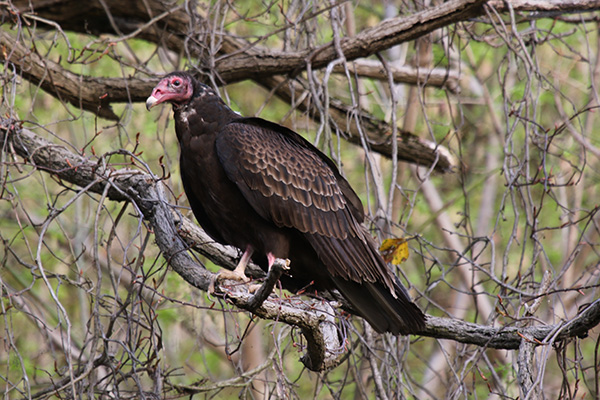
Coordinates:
96	94
82	91
563	6
526	369
437	77
240	60
65	85
146	192
511	337
381	37
143	189
378	134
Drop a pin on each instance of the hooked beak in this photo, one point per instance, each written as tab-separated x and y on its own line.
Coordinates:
151	102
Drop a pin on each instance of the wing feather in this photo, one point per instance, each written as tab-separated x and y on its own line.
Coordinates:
284	181
288	181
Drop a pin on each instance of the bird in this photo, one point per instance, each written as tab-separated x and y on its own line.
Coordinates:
266	190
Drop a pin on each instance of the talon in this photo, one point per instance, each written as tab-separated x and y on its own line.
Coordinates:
211	285
226	274
236	275
253	288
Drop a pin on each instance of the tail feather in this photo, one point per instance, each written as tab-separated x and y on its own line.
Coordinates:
357	270
386	313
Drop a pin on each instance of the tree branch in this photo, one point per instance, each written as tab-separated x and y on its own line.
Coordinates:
436	77
146	192
96	95
386	34
316	324
275	272
52	78
563	6
411	148
238	59
526	369
511	337
82	91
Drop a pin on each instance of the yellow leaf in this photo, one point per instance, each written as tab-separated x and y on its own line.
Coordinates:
394	251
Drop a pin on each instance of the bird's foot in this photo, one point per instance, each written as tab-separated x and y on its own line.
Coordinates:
225	274
254	288
238	274
234	275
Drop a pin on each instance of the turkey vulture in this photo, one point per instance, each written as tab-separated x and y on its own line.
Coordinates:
263	188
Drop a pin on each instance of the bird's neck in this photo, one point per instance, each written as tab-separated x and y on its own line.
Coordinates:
200	117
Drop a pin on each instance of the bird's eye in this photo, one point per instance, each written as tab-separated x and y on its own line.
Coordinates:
176	82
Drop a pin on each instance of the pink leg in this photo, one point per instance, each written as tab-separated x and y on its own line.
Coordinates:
271	259
240	270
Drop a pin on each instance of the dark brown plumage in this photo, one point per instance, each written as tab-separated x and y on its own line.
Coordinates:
261	187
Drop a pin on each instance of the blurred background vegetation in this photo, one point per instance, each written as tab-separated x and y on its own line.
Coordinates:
509	237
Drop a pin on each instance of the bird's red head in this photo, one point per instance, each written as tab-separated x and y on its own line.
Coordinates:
173	88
